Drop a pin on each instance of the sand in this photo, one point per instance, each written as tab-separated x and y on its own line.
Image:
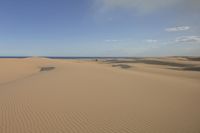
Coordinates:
71	96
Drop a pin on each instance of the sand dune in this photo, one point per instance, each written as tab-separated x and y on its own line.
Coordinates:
93	97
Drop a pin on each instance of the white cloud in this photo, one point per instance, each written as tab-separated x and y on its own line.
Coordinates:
177	28
188	39
151	41
146	6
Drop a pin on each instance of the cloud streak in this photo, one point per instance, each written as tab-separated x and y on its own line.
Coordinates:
112	40
188	39
177	28
151	41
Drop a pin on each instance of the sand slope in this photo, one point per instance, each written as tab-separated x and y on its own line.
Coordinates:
88	97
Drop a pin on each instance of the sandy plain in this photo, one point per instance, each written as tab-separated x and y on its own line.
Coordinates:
133	95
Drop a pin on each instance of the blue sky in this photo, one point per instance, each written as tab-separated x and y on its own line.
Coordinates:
99	27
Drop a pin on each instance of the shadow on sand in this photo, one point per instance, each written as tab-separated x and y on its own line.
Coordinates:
42	69
122	63
187	69
124	66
